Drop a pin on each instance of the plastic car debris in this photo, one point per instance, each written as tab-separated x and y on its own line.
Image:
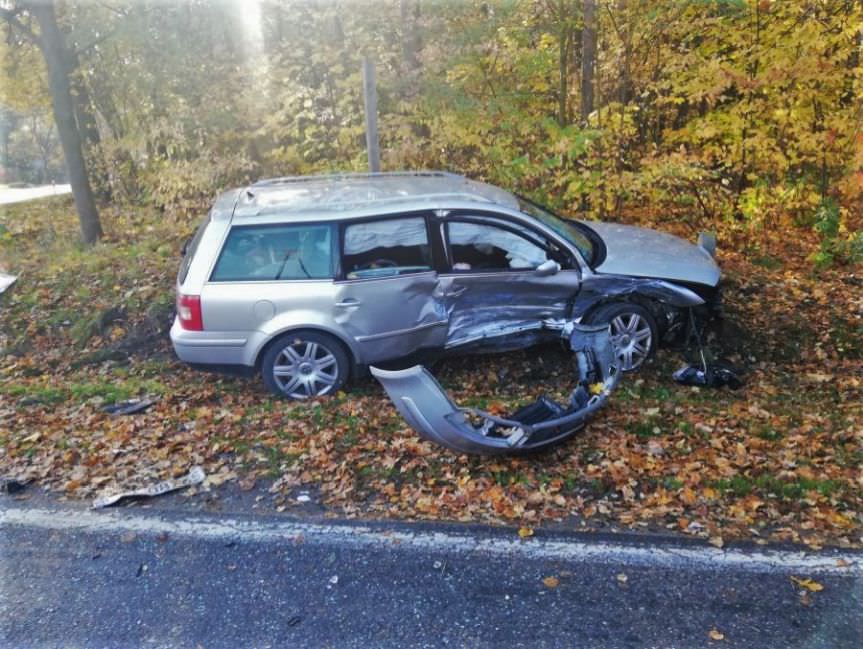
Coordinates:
709	375
715	374
6	281
12	486
128	407
426	407
195	476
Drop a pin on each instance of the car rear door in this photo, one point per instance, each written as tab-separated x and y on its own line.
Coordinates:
492	285
388	295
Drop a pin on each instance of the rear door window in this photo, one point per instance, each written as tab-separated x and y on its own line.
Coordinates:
385	248
276	252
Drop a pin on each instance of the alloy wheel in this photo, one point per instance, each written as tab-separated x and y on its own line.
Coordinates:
632	339
305	369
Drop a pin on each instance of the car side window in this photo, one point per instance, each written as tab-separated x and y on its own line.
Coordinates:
385	248
276	252
485	247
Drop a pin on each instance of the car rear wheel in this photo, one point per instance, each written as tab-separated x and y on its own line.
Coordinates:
305	364
633	332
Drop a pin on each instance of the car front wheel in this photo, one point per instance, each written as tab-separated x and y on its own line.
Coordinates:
633	332
305	364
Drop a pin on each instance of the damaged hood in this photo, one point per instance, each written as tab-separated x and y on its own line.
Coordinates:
640	252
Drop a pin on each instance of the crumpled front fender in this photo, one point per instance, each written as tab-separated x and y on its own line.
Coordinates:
428	409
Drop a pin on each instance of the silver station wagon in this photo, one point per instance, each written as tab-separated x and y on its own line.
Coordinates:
310	280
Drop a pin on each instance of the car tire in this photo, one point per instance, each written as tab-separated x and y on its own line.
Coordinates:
305	364
634	333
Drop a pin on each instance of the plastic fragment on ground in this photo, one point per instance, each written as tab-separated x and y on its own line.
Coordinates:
195	476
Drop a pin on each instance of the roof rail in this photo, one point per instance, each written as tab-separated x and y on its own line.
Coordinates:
358	203
285	180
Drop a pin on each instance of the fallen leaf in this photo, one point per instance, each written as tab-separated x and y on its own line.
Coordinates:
525	532
622	578
715	634
688	496
551	582
808	584
717	541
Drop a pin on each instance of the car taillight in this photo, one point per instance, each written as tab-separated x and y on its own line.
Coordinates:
189	312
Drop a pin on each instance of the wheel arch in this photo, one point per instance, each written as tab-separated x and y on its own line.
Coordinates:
654	307
659	297
346	347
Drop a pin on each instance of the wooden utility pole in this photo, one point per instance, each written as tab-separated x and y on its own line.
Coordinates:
370	99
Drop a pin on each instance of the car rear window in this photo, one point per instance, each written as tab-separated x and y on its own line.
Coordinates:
276	252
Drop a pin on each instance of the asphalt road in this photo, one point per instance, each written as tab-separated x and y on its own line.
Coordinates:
138	578
18	194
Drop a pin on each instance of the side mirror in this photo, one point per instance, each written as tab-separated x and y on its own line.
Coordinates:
707	242
547	268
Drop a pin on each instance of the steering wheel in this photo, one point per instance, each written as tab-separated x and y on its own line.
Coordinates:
379	263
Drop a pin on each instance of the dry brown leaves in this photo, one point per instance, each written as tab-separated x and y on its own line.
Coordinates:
781	459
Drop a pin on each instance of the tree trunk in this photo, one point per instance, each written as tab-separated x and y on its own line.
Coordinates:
626	38
57	59
409	11
588	58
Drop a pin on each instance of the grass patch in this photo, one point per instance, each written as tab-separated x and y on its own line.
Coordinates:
767	484
645	428
768	262
107	391
28	394
770	434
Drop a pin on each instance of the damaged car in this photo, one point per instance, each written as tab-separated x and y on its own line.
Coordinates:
308	281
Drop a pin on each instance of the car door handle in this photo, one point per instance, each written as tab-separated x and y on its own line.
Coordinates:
349	302
455	292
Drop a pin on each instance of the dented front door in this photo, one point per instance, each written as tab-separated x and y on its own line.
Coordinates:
492	289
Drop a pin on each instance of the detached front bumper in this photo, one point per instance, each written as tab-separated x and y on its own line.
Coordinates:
426	407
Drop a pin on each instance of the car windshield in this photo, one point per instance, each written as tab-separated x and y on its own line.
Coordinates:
569	230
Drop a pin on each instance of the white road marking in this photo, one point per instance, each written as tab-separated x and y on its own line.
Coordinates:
364	537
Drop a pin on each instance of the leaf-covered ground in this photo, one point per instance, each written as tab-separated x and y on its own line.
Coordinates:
781	459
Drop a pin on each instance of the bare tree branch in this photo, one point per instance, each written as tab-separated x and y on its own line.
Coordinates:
98	41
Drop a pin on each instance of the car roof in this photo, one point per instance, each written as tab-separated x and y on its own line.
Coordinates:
339	196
